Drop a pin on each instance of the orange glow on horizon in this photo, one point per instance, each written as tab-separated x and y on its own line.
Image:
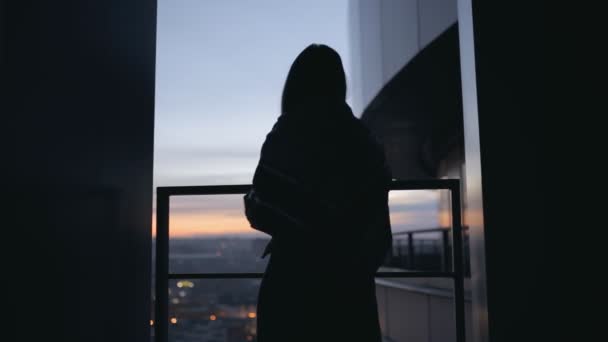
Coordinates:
212	317
205	223
210	224
232	220
445	218
251	315
401	218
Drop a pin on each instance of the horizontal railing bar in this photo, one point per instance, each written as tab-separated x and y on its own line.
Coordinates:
256	275
430	184
244	275
427	230
427	184
203	190
415	274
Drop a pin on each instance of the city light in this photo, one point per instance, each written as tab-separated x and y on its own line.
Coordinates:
212	317
185	283
173	320
151	322
251	315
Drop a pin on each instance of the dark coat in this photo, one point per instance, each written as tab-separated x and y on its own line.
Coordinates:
321	191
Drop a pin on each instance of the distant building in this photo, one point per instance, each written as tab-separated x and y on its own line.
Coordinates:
405	83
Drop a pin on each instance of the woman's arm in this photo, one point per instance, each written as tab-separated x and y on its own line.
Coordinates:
375	237
266	217
275	205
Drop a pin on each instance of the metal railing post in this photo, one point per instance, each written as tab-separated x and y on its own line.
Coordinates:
410	251
457	262
445	251
161	314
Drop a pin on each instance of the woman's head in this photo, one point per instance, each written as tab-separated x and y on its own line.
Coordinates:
316	78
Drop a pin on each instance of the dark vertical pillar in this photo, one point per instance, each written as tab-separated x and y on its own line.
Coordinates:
506	169
77	146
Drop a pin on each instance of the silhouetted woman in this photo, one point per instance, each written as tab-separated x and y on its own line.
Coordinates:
321	191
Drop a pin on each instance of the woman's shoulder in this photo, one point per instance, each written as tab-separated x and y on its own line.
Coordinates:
282	138
367	136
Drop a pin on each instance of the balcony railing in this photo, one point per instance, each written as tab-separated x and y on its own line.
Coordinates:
163	276
412	253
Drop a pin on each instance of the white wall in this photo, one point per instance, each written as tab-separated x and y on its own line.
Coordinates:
366	47
385	35
400	31
418	315
435	16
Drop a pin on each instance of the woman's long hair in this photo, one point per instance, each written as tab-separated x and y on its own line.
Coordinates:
315	80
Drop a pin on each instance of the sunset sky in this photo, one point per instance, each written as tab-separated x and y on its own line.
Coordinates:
220	72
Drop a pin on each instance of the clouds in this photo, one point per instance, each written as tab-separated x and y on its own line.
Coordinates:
414	210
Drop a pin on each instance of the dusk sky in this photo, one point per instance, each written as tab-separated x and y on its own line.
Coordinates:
221	66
